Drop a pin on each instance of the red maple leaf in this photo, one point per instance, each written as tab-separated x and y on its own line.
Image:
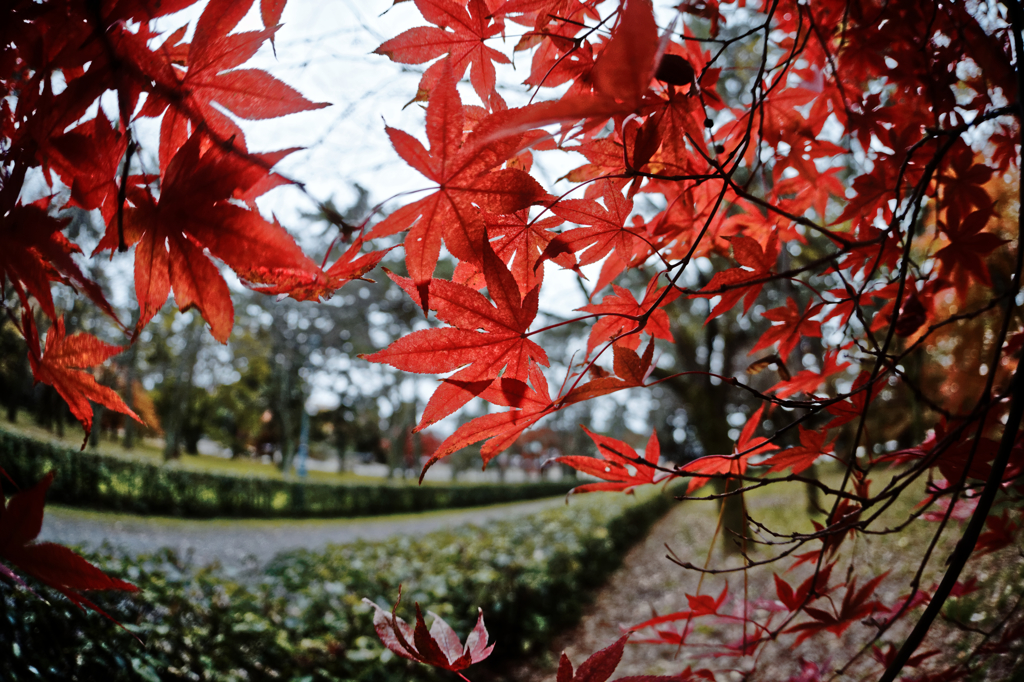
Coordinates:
561	57
756	264
1001	532
746	447
486	340
621	76
953	458
439	646
270	12
844	305
598	668
808	381
965	187
520	241
466	183
60	365
631	369
212	78
872	195
854	608
605	233
796	194
963	260
601	664
848	410
700	605
778	117
618	465
617	309
792	326
501	429
35	253
56	566
812	446
464	44
681	122
814	586
606	157
350	265
843	521
888	655
87	159
194	213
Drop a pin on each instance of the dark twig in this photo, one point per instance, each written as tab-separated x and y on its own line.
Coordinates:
122	193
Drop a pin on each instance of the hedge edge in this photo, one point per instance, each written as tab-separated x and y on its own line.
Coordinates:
89	479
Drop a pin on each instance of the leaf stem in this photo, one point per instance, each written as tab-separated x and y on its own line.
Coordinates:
122	192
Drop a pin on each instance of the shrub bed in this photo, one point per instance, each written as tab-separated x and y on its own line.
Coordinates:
90	479
301	617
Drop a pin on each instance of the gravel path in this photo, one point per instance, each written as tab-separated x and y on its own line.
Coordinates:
245	543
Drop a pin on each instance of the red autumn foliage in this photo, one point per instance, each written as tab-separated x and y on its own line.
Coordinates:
850	186
21	519
61	363
439	646
601	664
619	466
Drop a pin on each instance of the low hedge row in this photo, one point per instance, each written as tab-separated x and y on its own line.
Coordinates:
99	481
301	618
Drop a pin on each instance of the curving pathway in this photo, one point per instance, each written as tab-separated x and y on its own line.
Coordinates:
247	543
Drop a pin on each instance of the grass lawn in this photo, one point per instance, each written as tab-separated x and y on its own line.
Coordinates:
150	450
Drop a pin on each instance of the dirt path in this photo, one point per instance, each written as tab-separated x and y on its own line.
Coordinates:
243	543
647	584
646	581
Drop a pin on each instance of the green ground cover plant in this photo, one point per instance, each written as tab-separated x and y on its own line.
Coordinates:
301	618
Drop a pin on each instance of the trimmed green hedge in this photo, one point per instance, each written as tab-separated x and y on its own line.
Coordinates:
89	479
301	618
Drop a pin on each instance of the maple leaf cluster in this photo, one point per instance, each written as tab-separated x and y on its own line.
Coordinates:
184	219
854	271
849	186
440	647
181	221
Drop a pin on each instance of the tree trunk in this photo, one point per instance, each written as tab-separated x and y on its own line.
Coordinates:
182	389
129	423
813	492
97	425
705	402
283	394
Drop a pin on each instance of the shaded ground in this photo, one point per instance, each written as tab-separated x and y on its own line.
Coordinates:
646	581
243	543
649	584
